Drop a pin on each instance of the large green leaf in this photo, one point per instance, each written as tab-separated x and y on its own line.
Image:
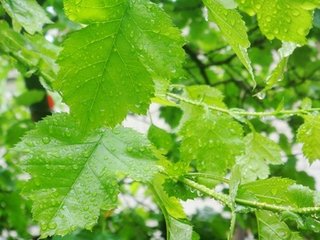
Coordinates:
309	135
287	20
271	226
260	151
73	178
107	68
27	13
233	29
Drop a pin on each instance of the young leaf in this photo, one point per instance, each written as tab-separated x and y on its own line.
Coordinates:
31	51
177	226
26	13
233	29
279	191
73	178
270	226
170	203
309	135
179	230
160	139
212	140
107	68
287	20
179	190
277	73
260	151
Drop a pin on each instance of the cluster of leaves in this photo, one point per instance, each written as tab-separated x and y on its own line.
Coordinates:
226	74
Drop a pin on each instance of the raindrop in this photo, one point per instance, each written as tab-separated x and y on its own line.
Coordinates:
261	95
46	140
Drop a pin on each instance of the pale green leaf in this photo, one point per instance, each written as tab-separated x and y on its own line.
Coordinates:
278	191
73	178
177	226
235	181
233	29
287	20
309	135
31	51
30	97
278	71
160	138
228	4
170	203
260	151
316	18
26	13
211	139
271	226
107	68
178	230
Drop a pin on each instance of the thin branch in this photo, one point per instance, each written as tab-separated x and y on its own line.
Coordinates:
202	67
240	112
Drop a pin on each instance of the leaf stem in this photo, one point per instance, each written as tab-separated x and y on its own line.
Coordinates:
232	225
209	176
277	208
225	200
242	113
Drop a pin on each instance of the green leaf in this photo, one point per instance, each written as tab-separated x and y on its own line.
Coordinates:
278	191
171	115
316	18
235	181
30	97
309	135
179	230
34	52
270	226
15	209
26	13
260	151
170	203
73	178
211	139
160	138
126	45
177	226
179	190
16	131
277	73
287	20
233	28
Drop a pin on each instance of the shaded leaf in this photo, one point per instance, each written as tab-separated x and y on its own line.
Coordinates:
309	135
270	226
26	13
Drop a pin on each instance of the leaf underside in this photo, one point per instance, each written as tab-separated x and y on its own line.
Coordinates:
73	179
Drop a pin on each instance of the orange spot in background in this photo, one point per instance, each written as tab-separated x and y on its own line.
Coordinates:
50	102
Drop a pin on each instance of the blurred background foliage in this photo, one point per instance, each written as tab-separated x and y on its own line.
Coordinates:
210	61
